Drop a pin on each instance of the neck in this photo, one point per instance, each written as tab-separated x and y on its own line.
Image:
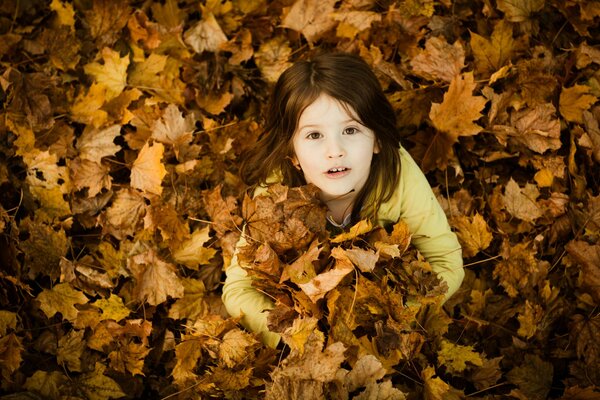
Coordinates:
340	208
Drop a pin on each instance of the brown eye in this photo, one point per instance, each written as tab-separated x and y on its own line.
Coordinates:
313	135
350	131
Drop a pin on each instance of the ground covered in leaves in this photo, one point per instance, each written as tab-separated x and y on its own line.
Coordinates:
121	127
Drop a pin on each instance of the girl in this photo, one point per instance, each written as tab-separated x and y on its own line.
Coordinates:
330	124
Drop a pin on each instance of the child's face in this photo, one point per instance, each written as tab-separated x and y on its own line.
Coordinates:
333	148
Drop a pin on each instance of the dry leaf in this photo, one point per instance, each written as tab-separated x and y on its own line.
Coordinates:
156	280
521	203
474	234
574	101
272	58
206	35
112	73
439	60
148	170
61	298
520	10
455	357
312	18
492	54
192	252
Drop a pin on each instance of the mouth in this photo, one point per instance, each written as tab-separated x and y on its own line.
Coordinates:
337	171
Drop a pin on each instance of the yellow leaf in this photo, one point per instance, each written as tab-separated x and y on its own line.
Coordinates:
574	101
112	73
47	384
159	74
530	319
490	55
8	320
65	15
215	103
45	172
455	357
61	298
86	108
10	354
69	351
112	308
169	14
173	129
435	388
206	35
297	335
129	358
544	178
123	216
439	60
187	353
192	305
272	58
192	252
148	170
234	347
360	228
351	23
310	17
455	115
97	386
318	286
91	175
473	233
155	279
519	10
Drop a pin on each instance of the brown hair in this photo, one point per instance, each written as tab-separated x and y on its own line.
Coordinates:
347	78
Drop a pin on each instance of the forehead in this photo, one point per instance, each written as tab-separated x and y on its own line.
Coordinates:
326	109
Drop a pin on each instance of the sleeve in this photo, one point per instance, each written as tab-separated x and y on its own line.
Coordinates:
241	298
431	233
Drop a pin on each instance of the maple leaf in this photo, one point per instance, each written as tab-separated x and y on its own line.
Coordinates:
360	228
112	308
235	347
298	334
206	35
29	95
519	10
165	218
533	377
62	46
144	31
272	58
439	60
65	15
310	17
530	319
240	47
70	349
521	203
91	175
187	353
192	305
351	23
87	106
228	379
173	129
538	128
112	73
368	369
123	216
159	74
148	171
43	249
435	388
455	357
519	271
491	54
473	232
48	384
8	320
318	286
155	279
61	298
488	374
588	258
97	386
574	101
192	252
11	349
364	260
129	357
214	103
106	20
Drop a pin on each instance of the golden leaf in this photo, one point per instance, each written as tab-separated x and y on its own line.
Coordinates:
169	14
360	228
129	357
61	298
65	15
310	17
112	308
86	108
272	58
173	129
215	103
574	101
192	305
11	349
148	170
91	175
439	60
519	271
473	233
318	286
159	74
125	213
530	319
240	47
187	353
519	10
156	280
364	260
455	357
97	386
234	347
351	23
192	252
297	335
47	384
206	35
435	388
69	351
228	379
8	320
490	55
112	73
456	114
521	203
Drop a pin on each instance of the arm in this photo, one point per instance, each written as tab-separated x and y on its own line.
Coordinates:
431	233
241	298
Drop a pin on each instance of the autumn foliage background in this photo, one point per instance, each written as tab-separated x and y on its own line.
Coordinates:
121	127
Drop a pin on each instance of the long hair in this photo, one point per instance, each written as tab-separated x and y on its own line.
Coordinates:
348	79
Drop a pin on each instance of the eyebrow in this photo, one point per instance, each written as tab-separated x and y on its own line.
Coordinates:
318	126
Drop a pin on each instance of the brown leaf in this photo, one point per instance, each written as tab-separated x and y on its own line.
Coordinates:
272	57
521	203
367	370
112	73
533	377
112	308
187	353
519	271
129	357
491	54
351	23
537	128
192	305
318	286
125	213
360	228
435	388
574	101
364	260
588	258
47	384
206	35
148	171
193	252
43	249
106	20
173	129
61	298
8	320
156	280
488	374
439	60
530	320
310	17
97	386
87	106
519	10
91	175
474	234
70	349
235	347
11	349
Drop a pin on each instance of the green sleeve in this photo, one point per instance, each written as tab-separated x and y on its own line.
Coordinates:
241	298
416	204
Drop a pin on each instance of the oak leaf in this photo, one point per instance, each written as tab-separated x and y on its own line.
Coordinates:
112	308
48	384
69	351
193	251
574	101
112	73
206	35
312	18
61	298
521	203
439	60
519	10
156	280
492	54
473	232
148	170
240	47
272	58
11	350
455	357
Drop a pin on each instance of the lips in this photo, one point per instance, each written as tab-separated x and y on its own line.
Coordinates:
337	172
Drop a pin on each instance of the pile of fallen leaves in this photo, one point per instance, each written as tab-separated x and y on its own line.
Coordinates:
121	127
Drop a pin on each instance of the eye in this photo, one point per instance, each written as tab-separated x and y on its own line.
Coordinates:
314	135
350	130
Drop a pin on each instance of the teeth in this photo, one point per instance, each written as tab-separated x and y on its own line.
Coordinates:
337	169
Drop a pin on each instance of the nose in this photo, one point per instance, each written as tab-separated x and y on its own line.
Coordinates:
335	149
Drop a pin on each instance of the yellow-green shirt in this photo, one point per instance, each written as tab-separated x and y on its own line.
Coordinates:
413	202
